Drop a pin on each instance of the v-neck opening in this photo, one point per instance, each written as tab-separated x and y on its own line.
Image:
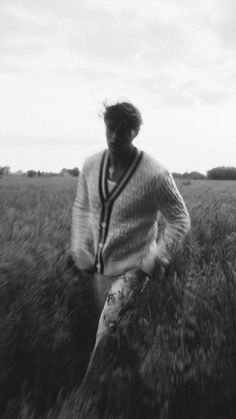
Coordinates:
105	194
121	177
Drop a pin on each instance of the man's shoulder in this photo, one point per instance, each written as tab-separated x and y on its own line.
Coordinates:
93	161
153	165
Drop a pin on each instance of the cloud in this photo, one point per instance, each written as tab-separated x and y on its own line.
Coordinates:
21	34
37	141
105	38
154	50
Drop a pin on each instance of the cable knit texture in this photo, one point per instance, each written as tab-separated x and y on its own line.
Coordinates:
132	240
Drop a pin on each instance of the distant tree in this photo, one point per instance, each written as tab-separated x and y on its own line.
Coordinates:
4	170
189	175
222	173
64	172
196	175
72	172
177	175
52	174
31	173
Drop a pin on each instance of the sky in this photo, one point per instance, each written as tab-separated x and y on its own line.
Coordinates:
61	59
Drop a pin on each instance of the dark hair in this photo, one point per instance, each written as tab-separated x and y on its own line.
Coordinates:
123	114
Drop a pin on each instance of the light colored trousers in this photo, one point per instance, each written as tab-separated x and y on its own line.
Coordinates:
111	294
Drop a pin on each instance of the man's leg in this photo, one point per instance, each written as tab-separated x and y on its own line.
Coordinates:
121	289
101	287
119	293
116	296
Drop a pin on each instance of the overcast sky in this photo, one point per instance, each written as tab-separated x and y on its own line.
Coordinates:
174	59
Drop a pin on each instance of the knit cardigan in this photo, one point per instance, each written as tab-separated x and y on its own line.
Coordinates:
113	232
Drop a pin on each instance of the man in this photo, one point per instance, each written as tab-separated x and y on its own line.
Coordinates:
114	218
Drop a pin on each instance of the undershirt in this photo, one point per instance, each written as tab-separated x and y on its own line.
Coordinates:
111	184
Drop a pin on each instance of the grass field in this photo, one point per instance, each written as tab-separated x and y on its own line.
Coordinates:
176	355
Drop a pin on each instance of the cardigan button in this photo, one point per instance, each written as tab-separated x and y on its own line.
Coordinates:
103	224
100	245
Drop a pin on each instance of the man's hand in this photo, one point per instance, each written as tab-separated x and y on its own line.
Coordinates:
159	268
72	259
161	261
78	262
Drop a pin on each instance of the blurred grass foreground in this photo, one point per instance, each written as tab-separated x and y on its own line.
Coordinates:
173	352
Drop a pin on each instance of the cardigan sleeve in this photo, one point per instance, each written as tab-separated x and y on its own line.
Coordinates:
178	224
80	227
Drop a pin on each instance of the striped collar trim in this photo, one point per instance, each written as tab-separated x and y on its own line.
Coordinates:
103	188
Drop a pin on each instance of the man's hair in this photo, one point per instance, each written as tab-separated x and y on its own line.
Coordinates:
123	114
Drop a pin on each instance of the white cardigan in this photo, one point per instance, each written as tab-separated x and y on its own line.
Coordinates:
113	232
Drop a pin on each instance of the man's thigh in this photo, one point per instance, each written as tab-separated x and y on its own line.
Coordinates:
101	287
120	291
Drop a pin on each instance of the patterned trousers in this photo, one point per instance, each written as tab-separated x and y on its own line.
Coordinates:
111	294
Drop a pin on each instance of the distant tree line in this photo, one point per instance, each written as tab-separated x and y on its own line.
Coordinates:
64	172
5	170
189	175
222	173
217	173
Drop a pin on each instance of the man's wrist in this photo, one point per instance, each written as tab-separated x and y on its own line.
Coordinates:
73	254
161	261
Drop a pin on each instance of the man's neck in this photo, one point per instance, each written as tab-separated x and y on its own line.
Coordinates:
122	160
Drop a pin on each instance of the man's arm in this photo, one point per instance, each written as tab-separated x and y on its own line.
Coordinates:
80	228
178	223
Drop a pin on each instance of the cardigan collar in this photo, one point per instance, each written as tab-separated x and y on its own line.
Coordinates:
103	175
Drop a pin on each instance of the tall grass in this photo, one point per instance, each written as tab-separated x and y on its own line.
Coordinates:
173	352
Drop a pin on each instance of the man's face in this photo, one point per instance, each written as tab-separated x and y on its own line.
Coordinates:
119	138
